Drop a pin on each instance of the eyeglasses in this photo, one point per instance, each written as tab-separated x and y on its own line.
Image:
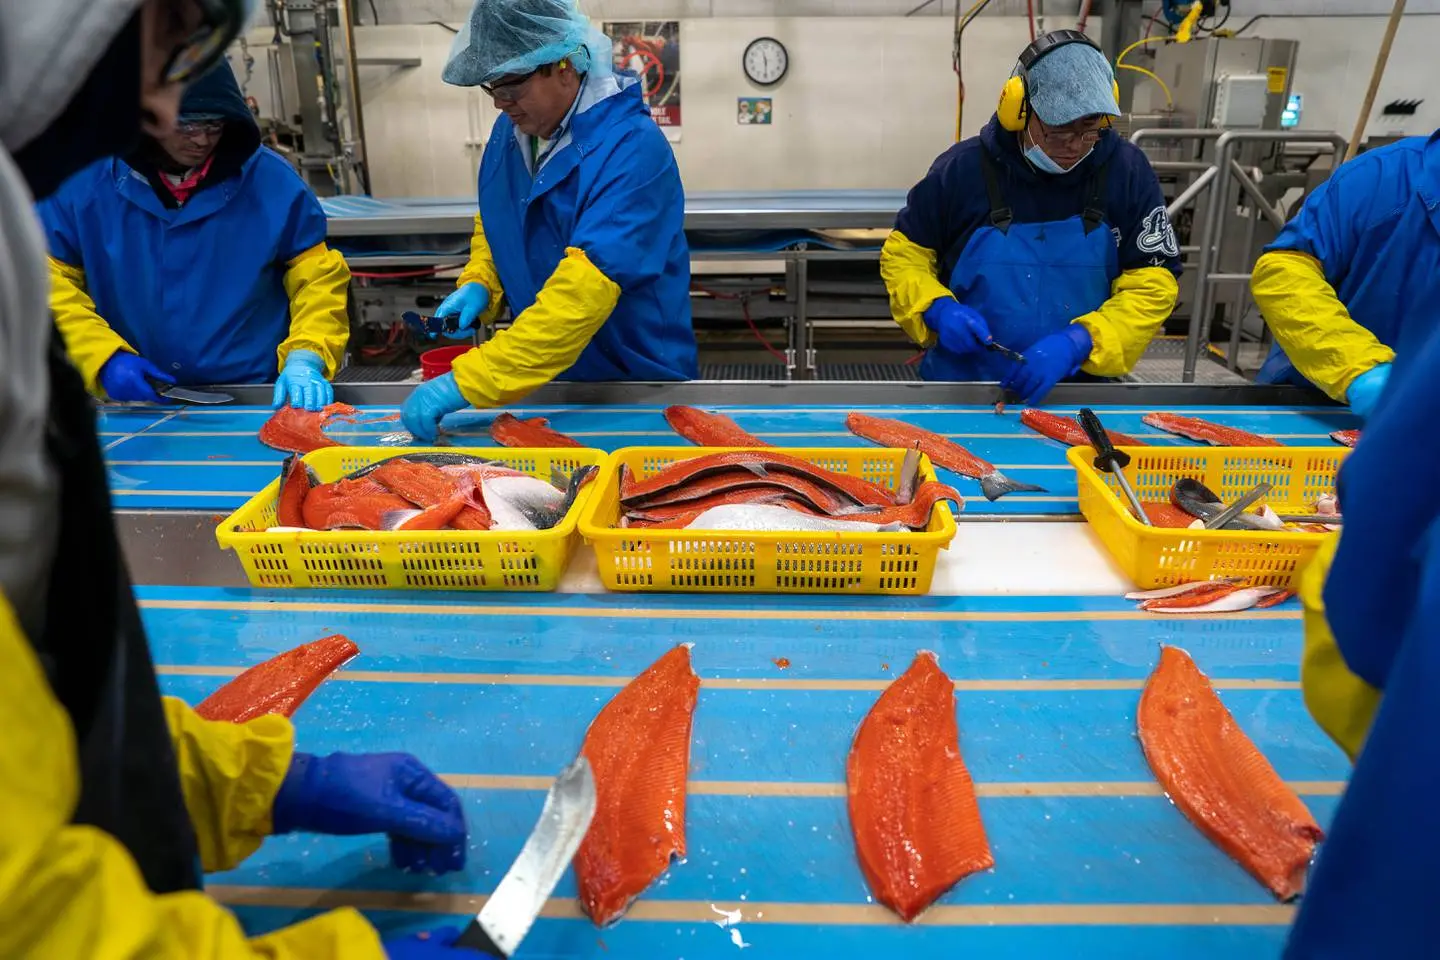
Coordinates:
510	90
204	45
195	129
1064	137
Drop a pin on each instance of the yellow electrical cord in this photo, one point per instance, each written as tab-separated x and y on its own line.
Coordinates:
1120	60
1169	100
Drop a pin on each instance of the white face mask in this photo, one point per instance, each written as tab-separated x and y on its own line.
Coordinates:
1041	161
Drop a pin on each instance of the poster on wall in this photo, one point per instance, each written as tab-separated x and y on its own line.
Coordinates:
650	49
750	110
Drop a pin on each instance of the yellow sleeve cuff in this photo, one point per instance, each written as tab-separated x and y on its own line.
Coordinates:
1123	326
545	340
1341	703
908	270
481	269
229	773
1310	323
88	338
318	285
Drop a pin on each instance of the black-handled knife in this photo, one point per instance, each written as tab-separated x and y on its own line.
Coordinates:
1110	460
432	326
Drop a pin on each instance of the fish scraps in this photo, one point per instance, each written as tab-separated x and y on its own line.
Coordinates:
279	685
1215	775
1204	431
1346	438
1222	595
942	452
426	491
709	429
510	431
296	430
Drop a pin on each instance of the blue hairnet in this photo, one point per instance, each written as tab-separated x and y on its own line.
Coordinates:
512	37
1071	82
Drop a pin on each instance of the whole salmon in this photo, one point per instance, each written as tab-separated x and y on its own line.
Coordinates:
1214	434
508	431
1068	431
280	684
709	429
942	453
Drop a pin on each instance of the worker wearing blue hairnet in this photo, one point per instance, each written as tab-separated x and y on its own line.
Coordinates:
581	222
1046	234
1354	278
198	258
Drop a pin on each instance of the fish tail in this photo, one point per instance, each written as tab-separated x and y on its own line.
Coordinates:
396	519
909	475
996	485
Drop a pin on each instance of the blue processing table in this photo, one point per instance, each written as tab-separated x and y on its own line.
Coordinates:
495	691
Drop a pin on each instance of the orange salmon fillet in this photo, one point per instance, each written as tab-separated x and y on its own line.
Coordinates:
912	805
639	749
1215	775
709	429
280	684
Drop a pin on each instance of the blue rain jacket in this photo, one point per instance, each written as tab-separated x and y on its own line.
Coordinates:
613	191
1375	228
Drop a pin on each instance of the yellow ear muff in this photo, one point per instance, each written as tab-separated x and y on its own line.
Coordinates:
1011	110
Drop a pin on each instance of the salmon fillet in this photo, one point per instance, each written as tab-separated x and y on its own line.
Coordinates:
280	684
1215	434
1068	431
1214	774
509	431
639	750
709	429
912	805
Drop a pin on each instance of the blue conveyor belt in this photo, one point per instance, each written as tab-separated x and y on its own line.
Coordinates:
210	459
495	692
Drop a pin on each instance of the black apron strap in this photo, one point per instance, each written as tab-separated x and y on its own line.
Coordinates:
1096	190
1000	215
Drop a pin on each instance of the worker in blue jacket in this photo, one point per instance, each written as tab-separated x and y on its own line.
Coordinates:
581	222
1370	675
199	258
1355	277
1047	234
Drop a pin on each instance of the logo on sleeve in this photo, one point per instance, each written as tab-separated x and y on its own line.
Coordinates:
1156	234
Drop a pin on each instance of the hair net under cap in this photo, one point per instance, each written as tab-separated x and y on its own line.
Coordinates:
1071	82
511	37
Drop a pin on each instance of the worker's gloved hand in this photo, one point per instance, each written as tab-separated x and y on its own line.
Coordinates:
302	382
1364	390
428	405
1048	361
961	329
431	945
346	794
467	302
124	376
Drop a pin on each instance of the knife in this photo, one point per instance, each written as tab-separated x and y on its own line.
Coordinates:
433	326
1238	507
204	398
1109	459
1005	351
511	910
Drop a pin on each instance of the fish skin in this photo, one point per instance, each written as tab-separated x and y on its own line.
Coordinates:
523	502
1221	601
1214	775
669	511
1346	438
344	504
639	751
509	431
1179	589
740	482
942	452
705	429
912	803
296	481
279	685
1214	434
914	515
1275	599
762	463
1068	431
427	485
302	431
1201	596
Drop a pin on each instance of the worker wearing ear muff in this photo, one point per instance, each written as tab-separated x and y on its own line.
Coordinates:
1046	234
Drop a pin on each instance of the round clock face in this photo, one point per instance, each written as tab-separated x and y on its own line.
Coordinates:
766	61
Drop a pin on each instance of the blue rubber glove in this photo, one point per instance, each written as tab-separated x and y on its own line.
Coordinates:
428	405
302	382
124	376
432	945
961	330
346	794
1364	390
1048	361
467	302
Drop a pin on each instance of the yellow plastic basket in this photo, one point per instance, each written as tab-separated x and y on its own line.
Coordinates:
1159	557
718	562
407	560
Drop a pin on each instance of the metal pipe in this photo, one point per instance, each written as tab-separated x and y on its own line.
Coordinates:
1256	197
1232	354
357	112
1189	194
1180	166
1174	133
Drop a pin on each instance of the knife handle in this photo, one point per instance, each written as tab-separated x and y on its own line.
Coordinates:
1107	457
475	938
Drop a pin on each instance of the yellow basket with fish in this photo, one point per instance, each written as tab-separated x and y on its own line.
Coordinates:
409	559
717	561
1161	557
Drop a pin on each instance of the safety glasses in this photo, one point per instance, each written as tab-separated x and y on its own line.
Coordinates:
1065	136
195	129
202	46
508	91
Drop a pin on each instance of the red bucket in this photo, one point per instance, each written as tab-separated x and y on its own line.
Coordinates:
436	363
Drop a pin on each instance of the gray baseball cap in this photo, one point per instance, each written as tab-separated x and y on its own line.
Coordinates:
1071	82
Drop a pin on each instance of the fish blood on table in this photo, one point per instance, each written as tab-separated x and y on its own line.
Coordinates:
1214	774
942	453
1214	434
508	431
280	684
639	750
709	429
912	804
1068	430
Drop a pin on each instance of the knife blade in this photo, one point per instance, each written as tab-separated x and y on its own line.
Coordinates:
205	398
511	910
1005	351
1238	507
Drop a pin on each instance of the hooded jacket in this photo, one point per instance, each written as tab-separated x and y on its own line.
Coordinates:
112	800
